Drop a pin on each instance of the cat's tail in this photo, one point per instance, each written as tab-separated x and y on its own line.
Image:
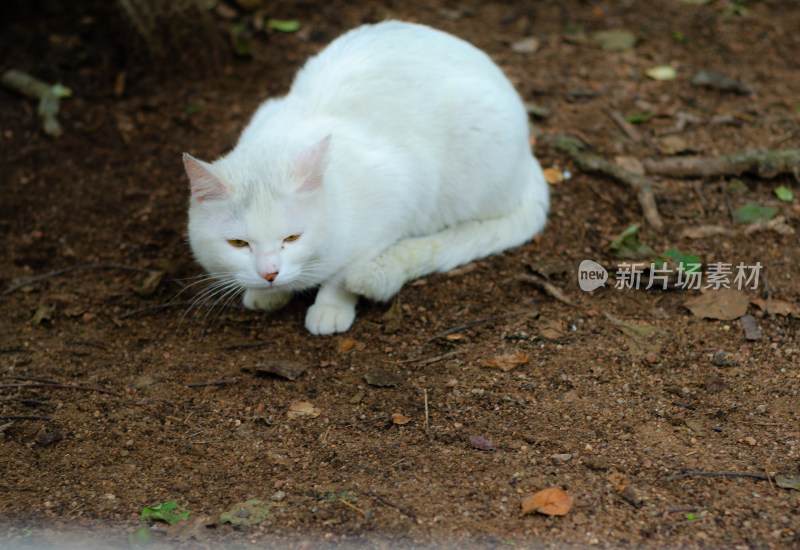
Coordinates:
382	278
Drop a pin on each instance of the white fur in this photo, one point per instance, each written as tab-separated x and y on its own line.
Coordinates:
398	152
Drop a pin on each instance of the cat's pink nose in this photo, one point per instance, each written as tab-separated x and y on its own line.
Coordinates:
270	276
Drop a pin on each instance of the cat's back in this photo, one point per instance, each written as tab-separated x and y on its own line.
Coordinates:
391	60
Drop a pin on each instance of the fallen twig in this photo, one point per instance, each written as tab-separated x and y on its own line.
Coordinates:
59	387
624	125
27	417
354	507
767	163
549	288
642	185
212	383
718	474
70	269
382	500
245	346
459	328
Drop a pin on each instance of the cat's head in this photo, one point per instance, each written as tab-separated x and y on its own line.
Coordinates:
252	223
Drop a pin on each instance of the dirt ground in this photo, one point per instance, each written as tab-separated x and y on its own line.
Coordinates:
110	403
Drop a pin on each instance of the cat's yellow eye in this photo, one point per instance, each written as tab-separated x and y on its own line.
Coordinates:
291	238
238	243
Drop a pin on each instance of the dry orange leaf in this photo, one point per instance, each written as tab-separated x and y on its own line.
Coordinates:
550	502
400	419
302	408
508	361
553	176
345	345
776	306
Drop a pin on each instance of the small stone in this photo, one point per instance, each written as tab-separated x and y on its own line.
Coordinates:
750	440
561	457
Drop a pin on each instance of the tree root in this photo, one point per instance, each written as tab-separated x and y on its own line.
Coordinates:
642	185
766	163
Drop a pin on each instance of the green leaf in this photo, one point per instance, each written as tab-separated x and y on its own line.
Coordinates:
241	44
752	213
661	72
284	25
690	517
626	245
784	194
636	118
250	512
678	36
164	512
691	263
61	91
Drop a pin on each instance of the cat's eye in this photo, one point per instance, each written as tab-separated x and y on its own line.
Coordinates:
238	243
291	238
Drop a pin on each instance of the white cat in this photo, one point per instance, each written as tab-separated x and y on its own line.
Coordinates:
399	151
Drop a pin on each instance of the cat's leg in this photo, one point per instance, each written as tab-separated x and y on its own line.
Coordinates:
334	310
268	301
382	277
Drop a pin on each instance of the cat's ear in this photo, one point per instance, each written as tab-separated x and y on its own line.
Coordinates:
311	164
205	185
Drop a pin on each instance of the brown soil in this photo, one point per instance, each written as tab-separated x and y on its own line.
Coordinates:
598	411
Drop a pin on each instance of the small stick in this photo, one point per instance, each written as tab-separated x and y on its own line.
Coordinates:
549	288
61	387
405	511
624	125
212	383
70	269
423	362
27	401
425	393
717	474
26	417
245	346
353	506
156	307
459	328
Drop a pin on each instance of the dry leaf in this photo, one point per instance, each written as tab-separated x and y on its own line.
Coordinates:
553	176
150	283
777	224
703	231
287	369
508	361
393	318
482	443
381	378
554	330
724	304
776	306
43	313
302	408
400	419
344	345
550	502
526	45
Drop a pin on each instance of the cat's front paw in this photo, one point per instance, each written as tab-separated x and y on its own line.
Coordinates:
328	318
374	281
267	301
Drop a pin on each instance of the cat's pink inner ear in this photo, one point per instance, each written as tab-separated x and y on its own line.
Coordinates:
311	165
205	185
